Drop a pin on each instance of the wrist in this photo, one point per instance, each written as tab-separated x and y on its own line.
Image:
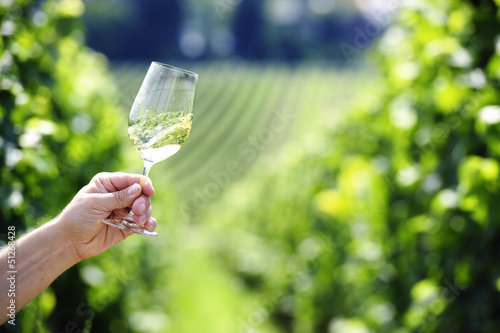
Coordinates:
63	244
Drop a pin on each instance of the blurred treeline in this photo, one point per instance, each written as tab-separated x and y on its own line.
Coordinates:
289	30
380	218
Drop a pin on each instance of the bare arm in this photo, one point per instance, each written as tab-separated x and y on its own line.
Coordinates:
40	257
76	234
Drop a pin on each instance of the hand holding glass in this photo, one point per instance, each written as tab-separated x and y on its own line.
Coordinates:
159	122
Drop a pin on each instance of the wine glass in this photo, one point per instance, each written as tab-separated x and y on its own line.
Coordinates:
159	123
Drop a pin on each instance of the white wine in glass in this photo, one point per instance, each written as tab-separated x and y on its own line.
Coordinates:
159	122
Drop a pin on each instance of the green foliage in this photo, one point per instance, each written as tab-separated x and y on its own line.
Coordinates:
382	219
57	119
57	125
390	222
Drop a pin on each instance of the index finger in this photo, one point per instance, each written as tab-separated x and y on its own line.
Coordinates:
119	180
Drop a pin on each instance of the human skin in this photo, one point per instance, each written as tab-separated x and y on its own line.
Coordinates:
77	233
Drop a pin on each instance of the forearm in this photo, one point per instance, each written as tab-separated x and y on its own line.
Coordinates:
40	257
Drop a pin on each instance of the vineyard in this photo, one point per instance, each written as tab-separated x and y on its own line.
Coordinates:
244	111
307	199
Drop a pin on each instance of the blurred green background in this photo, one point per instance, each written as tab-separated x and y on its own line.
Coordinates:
341	174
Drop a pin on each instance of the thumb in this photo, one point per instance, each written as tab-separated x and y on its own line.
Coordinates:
121	199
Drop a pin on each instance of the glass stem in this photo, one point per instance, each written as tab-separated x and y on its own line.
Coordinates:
147	166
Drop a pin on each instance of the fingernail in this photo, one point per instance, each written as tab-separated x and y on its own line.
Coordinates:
132	190
152	186
151	225
143	219
142	208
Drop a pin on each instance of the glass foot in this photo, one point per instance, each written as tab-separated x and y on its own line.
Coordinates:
127	223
